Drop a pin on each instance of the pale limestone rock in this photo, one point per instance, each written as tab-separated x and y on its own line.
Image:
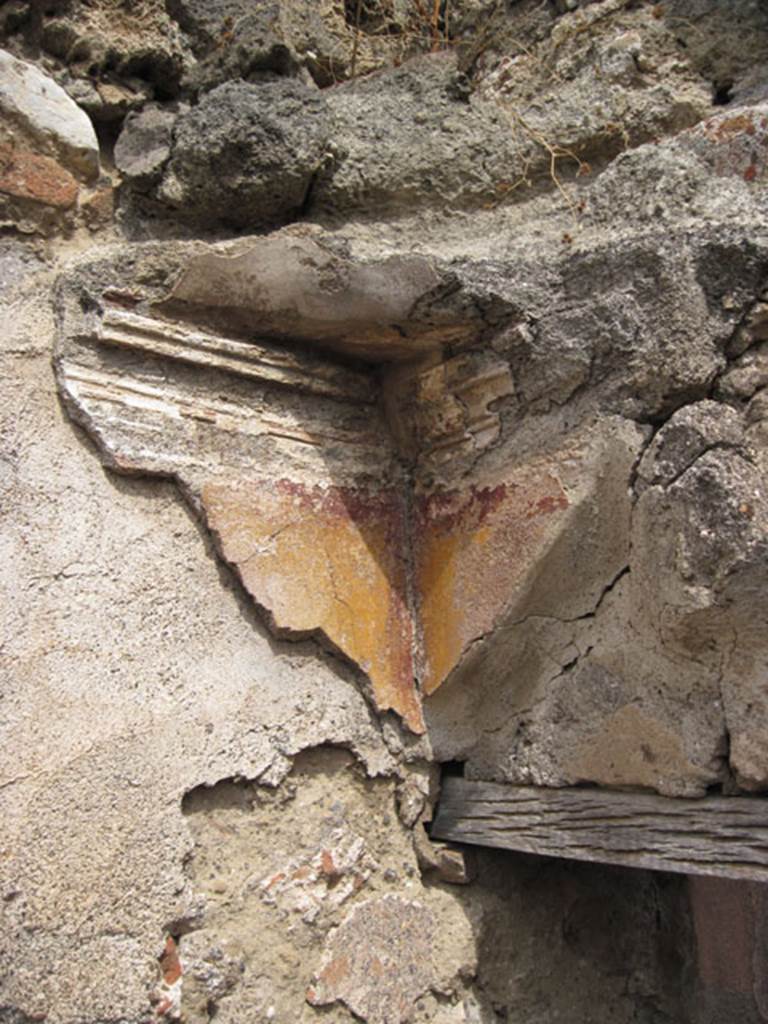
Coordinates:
42	110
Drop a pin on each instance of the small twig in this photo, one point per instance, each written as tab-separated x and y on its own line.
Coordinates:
556	153
353	60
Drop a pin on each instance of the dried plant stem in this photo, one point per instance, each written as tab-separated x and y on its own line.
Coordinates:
556	153
356	40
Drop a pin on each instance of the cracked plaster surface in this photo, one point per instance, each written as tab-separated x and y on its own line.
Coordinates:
471	565
619	640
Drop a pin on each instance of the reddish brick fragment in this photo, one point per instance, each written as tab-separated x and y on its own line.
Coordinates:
29	175
170	965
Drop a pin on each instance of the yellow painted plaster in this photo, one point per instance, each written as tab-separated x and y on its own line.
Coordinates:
327	560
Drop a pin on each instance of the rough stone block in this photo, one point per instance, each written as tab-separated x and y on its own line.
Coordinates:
144	146
246	155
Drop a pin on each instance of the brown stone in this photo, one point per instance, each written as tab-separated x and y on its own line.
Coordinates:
98	207
170	965
28	175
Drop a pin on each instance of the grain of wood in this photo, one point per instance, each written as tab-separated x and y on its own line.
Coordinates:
722	836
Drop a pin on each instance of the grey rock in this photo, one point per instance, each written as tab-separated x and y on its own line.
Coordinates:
754	328
578	333
690	433
107	102
702	568
246	155
132	40
237	39
746	376
733	143
144	146
724	40
234	38
705	525
403	139
601	78
43	110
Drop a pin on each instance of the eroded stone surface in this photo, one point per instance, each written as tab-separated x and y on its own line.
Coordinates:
483	574
319	862
697	541
318	518
704	532
285	35
246	154
161	680
299	286
138	43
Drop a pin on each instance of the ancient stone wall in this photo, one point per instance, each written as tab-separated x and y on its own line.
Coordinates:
384	388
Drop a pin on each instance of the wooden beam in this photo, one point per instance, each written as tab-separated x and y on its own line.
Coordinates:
722	836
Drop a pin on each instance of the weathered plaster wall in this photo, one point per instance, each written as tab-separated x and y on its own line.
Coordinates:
150	786
465	463
134	671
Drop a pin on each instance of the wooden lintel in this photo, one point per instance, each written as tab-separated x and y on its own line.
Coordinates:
721	836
